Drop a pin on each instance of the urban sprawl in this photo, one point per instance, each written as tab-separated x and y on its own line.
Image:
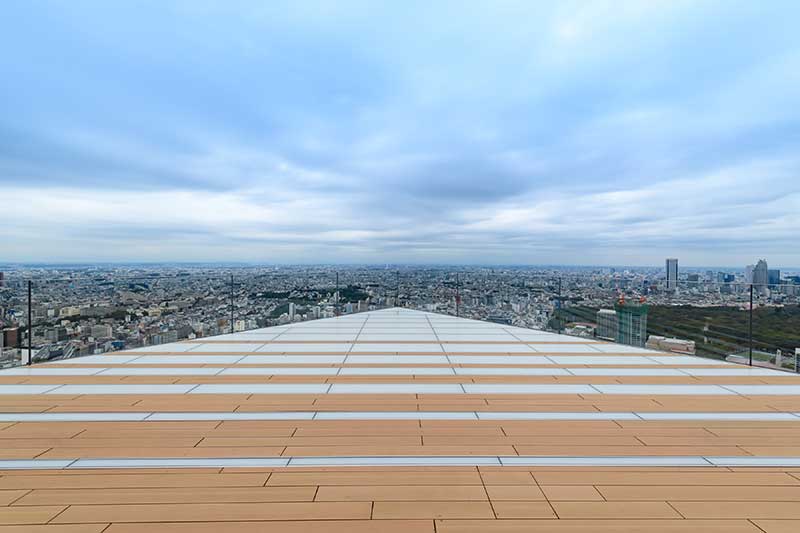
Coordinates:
79	311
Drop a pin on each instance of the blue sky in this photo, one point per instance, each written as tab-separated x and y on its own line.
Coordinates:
421	132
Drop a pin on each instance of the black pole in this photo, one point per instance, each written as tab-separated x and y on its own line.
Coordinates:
397	289
458	295
750	335
231	303
560	312
30	322
336	306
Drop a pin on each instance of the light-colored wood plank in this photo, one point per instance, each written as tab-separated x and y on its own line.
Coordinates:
108	496
29	515
104	480
414	493
299	526
613	510
383	510
394	477
214	512
595	526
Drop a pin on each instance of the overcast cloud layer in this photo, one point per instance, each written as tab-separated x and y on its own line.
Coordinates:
459	132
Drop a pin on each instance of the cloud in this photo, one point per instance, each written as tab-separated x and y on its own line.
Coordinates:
516	132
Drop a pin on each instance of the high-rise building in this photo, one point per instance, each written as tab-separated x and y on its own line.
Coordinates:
748	273
774	276
725	280
672	273
761	276
292	311
724	277
631	323
607	324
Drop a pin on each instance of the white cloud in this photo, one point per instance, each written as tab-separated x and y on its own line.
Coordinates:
518	131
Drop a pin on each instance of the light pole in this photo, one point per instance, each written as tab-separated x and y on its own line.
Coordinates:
750	334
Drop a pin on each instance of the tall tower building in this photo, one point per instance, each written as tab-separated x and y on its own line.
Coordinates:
672	273
631	323
292	311
761	276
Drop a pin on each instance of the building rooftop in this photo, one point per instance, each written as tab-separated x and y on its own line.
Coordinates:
398	421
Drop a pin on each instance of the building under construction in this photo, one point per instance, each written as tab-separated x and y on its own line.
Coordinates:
631	322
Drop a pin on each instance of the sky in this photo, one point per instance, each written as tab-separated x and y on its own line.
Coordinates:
507	132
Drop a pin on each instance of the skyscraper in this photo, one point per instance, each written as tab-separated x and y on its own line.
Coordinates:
631	323
672	273
761	275
774	276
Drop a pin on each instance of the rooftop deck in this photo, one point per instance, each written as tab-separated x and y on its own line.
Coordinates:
398	421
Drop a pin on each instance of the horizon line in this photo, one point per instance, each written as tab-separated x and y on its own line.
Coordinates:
74	264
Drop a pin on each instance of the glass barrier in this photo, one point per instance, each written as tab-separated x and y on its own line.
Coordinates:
731	320
96	312
14	317
76	312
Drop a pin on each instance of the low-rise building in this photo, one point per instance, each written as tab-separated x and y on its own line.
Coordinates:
666	344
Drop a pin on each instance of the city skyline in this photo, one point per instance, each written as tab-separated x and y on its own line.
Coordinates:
564	133
95	310
12	266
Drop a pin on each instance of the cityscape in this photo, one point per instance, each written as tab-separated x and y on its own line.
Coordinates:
78	311
318	266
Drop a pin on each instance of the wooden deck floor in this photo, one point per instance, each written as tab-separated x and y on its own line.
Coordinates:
398	421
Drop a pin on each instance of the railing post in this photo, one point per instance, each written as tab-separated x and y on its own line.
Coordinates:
560	328
30	322
458	294
231	303
750	334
